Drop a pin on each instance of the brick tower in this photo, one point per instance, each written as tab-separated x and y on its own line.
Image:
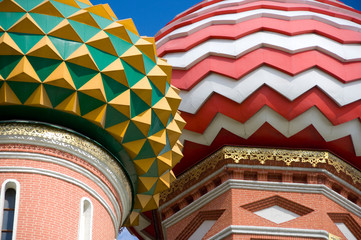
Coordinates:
271	96
88	126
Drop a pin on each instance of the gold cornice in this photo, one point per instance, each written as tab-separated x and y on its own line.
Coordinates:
287	158
263	154
72	143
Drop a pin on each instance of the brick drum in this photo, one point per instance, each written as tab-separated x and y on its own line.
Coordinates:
49	207
234	214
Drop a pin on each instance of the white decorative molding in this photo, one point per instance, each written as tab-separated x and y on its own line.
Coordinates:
143	223
202	230
345	231
299	169
70	165
63	177
85	219
276	214
271	231
264	167
75	145
257	185
13	184
38	134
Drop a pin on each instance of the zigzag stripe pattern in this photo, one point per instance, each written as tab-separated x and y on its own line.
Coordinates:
288	128
266	96
291	64
257	13
208	4
239	47
231	3
290	87
274	68
242	29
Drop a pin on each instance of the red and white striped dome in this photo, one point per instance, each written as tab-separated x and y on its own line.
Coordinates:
274	73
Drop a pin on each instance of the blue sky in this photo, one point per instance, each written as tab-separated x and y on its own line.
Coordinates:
151	15
148	15
125	235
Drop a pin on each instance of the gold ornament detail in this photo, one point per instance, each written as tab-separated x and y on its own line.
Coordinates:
262	155
46	134
286	156
194	174
341	166
321	157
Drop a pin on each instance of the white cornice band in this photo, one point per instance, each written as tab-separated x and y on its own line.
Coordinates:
117	182
57	175
298	169
71	166
264	167
271	231
263	186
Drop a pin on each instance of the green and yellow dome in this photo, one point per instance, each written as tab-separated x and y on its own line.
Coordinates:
69	63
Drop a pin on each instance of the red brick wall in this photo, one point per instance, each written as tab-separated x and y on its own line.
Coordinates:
257	237
236	215
49	208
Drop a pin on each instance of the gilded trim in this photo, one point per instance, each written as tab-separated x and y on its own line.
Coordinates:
288	157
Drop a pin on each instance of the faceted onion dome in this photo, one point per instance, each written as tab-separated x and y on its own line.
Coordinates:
69	63
280	73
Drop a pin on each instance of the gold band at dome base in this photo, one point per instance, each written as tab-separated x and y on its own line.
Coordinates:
58	138
264	156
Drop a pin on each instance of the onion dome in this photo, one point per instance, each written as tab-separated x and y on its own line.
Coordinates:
72	64
283	74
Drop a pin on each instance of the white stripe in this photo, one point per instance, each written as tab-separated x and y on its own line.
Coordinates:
72	166
117	182
10	184
288	128
290	87
271	231
258	13
261	186
57	175
241	46
232	3
253	167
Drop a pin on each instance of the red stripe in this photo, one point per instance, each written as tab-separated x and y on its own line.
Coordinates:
205	4
261	5
267	136
236	31
265	96
291	64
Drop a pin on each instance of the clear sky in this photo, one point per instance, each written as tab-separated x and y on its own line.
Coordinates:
151	15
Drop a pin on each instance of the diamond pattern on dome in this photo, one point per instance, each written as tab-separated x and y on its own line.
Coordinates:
76	58
47	8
